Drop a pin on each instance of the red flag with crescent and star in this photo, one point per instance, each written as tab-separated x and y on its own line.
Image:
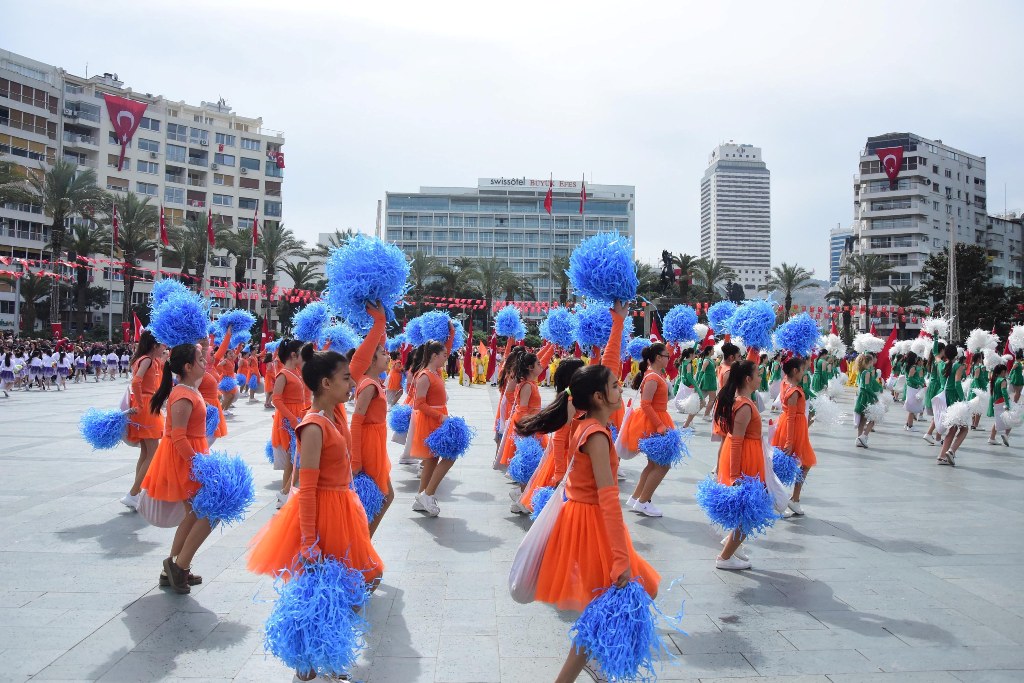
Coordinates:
163	228
892	159
125	116
549	197
209	227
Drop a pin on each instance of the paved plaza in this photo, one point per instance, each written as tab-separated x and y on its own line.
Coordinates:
900	570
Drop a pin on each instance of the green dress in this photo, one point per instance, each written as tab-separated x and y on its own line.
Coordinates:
868	388
776	372
915	377
954	388
805	384
820	380
980	382
1016	377
764	376
707	379
686	373
934	377
998	392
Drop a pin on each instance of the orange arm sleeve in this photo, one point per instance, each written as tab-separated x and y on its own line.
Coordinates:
545	354
753	356
735	457
180	442
612	358
650	413
137	382
421	405
451	340
363	356
559	451
356	430
308	479
278	401
615	528
225	344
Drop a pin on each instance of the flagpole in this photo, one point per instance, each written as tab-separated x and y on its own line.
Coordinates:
110	285
252	258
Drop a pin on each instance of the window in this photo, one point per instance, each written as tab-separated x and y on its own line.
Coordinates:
149	145
248	204
146	188
225	139
198	136
147	167
113	274
117	184
224	159
112	139
251	164
175	153
250	144
272	208
174	195
225	180
249	183
220	261
149	124
223	200
176	131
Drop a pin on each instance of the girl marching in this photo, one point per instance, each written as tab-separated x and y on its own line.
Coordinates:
998	403
914	398
953	376
868	389
292	400
208	385
791	433
146	427
429	410
652	418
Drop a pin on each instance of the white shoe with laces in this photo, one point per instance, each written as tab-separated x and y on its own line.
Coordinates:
1006	440
131	502
991	442
418	502
647	509
734	563
631	503
739	552
796	507
929	438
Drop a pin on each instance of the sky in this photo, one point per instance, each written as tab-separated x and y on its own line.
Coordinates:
383	96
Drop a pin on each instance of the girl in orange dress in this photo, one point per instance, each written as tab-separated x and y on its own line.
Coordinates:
791	433
226	368
144	427
742	452
652	418
249	368
525	397
324	518
292	400
272	367
393	388
208	387
429	411
169	477
507	385
589	546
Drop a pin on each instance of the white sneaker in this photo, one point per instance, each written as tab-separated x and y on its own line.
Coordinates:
433	509
929	438
739	552
733	562
592	669
908	428
647	509
860	442
620	476
631	502
417	502
518	508
1006	440
282	498
991	442
129	501
796	507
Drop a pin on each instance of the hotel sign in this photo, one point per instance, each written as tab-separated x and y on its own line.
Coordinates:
525	183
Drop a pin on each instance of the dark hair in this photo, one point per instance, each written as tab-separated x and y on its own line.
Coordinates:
648	355
687	352
583	384
431	349
287	348
394	355
911	359
740	372
317	365
994	375
949	354
147	342
268	357
181	355
414	360
524	362
729	349
564	372
706	351
508	366
791	364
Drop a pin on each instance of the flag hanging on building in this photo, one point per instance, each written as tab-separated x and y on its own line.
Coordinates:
256	224
115	224
163	228
549	197
125	116
209	226
892	160
467	358
583	195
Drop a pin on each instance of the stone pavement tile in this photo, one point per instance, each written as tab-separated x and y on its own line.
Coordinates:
469	617
812	662
1015	676
945	658
769	679
898	677
262	668
519	669
700	665
468	659
712	642
841	639
406	669
22	664
919	627
410	635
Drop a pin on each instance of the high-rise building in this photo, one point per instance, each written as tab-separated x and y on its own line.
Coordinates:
840	242
505	218
191	159
735	213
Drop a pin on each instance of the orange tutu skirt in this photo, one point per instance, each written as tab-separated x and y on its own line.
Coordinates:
419	429
143	424
578	560
169	475
344	535
751	462
280	437
376	463
639	426
802	448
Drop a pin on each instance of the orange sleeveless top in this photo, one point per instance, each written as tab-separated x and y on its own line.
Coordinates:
533	404
754	426
196	427
335	458
581	485
788	390
721	372
295	390
436	394
377	411
660	399
144	387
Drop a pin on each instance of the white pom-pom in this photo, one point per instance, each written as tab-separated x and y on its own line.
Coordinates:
993	360
875	413
867	343
701	331
936	327
979	404
957	415
826	411
1017	338
689	405
979	340
834	345
1013	417
836	385
921	347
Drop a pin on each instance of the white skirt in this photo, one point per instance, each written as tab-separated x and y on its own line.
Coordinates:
915	400
938	410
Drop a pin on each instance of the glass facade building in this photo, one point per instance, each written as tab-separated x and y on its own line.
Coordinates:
505	218
840	243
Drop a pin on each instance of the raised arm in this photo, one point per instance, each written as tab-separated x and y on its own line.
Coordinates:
612	358
363	356
225	344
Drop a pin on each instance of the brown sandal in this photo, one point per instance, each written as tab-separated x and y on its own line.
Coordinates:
177	578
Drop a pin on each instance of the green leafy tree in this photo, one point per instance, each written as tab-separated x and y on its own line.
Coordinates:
421	269
687	265
649	280
304	275
188	246
238	244
322	251
787	279
489	274
515	285
450	282
13	185
35	296
139	222
846	294
981	302
275	246
555	270
711	275
867	270
905	297
85	238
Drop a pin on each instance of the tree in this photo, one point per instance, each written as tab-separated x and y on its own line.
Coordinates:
35	295
904	297
238	243
13	186
85	239
734	292
649	280
322	251
846	294
787	279
451	282
979	299
188	245
867	269
276	245
687	265
555	271
489	274
711	274
303	275
138	224
421	269
514	285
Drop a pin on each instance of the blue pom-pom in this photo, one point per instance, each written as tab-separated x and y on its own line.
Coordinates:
181	318
254	382
369	494
786	467
747	506
315	625
414	332
365	269
342	337
162	289
635	347
395	343
602	268
271	347
241	339
104	428
268	451
668	449
240	379
719	314
619	630
559	327
399	418
539	499
460	336
614	431
212	419
678	324
508	323
237	320
799	335
754	321
228	384
595	325
524	463
226	488
434	326
308	325
451	440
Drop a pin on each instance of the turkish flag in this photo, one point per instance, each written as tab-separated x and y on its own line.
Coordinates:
255	224
279	159
549	197
892	159
874	330
209	226
709	340
163	228
583	196
833	330
125	116
125	333
467	358
264	337
655	334
884	363
138	326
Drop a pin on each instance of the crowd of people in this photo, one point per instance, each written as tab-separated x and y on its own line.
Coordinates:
27	364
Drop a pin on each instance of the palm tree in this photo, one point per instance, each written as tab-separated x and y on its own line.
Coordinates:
710	274
421	269
35	294
649	279
85	239
489	274
788	279
554	270
451	282
238	243
304	275
515	285
13	187
276	244
138	224
188	245
905	297
322	251
687	265
867	269
847	295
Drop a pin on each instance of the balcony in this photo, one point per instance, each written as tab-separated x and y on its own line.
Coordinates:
197	203
196	182
196	161
81	161
80	141
176	178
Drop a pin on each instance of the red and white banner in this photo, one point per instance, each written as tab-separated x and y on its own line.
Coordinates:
892	160
125	116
